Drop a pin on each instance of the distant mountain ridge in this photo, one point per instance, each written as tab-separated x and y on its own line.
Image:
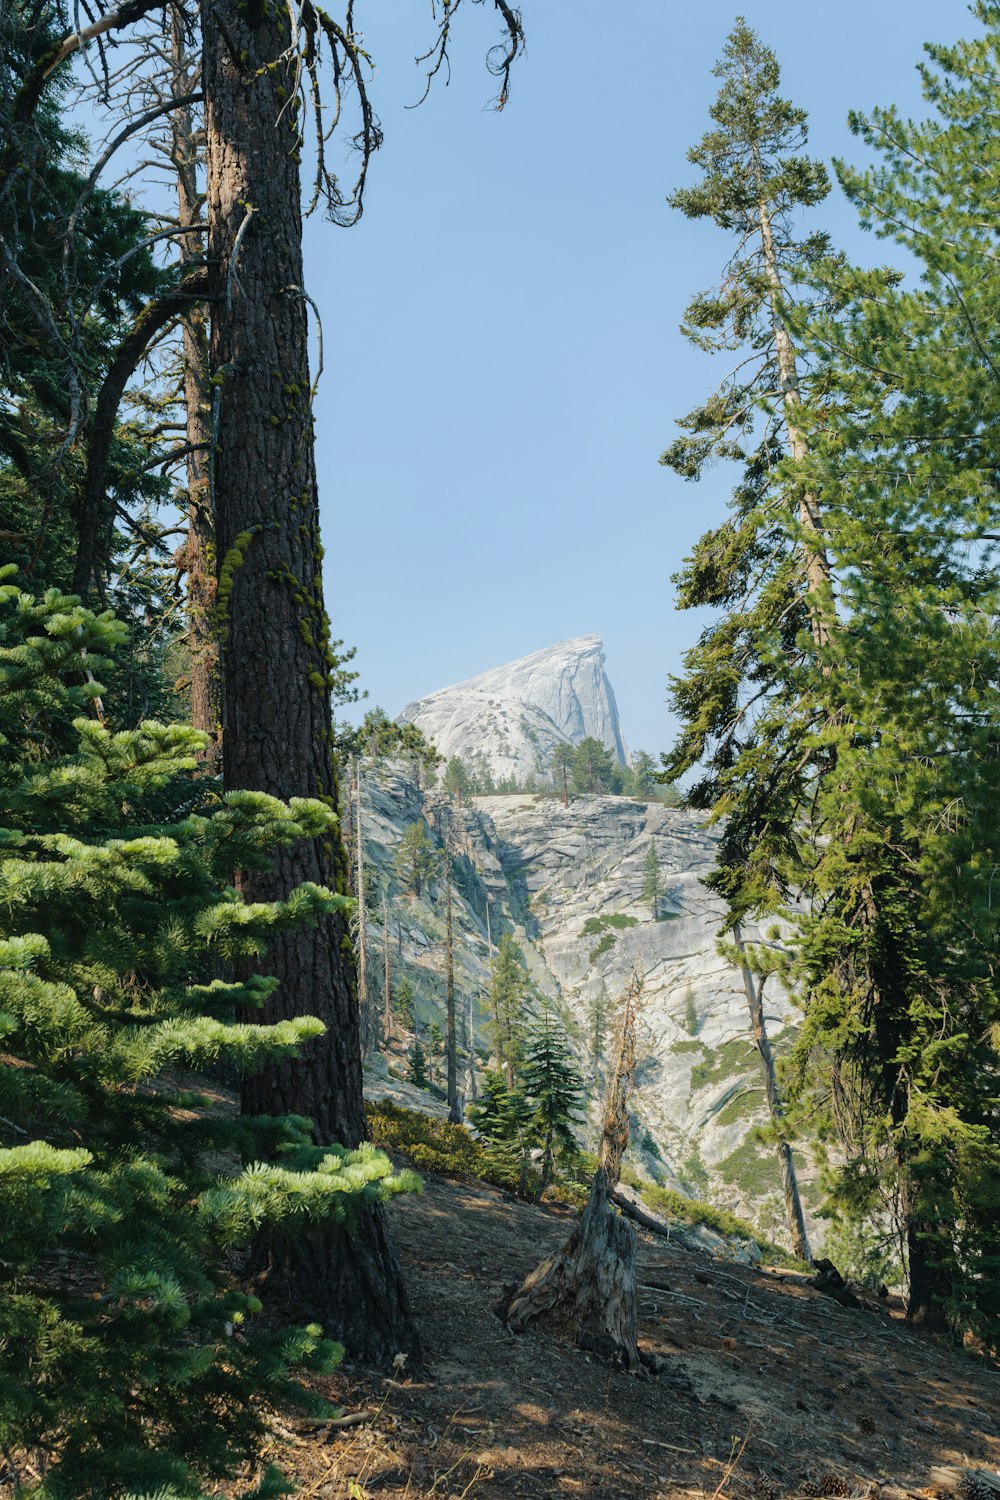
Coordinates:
511	718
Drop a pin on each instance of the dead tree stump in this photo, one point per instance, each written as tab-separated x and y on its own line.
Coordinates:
587	1289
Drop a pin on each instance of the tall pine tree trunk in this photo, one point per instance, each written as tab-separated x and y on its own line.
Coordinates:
206	698
368	1020
817	563
277	722
786	1162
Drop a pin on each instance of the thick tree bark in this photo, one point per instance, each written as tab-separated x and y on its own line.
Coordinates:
927	1286
206	693
364	1002
587	1289
277	722
786	1162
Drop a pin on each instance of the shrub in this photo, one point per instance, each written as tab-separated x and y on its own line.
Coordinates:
614	922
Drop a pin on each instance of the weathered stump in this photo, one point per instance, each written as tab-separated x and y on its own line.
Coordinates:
587	1289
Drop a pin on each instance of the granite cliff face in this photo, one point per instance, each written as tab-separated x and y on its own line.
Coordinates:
568	883
514	716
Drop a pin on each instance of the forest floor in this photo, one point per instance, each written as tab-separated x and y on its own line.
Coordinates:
768	1388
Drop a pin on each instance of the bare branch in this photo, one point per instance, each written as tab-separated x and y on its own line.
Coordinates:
194	288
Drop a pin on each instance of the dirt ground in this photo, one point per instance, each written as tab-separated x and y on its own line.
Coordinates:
768	1387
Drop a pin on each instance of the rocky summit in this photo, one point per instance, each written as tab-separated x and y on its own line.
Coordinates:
510	719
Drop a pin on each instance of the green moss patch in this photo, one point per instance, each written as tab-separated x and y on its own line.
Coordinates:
727	1061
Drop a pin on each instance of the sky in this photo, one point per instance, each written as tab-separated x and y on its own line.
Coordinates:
503	365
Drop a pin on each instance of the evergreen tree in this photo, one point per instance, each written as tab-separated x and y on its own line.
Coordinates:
857	762
897	948
415	858
744	695
640	778
652	884
747	700
594	769
74	274
509	989
501	1116
562	764
404	1003
597	1026
456	779
125	1373
378	737
554	1087
417	1071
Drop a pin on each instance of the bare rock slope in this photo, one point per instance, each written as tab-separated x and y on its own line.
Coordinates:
568	884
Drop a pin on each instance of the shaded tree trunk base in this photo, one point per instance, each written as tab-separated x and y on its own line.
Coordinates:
928	1286
587	1289
351	1283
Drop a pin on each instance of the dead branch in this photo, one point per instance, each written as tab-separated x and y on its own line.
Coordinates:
153	318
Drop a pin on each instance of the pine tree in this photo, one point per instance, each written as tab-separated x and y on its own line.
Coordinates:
404	1003
748	699
415	861
897	951
501	1117
857	762
652	885
554	1088
561	763
456	779
509	988
597	1026
455	1103
640	778
417	1071
594	770
119	1240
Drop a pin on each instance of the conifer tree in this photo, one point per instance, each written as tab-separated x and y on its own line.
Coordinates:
640	778
652	884
404	1003
456	779
857	764
897	950
417	1072
128	1358
415	861
501	1116
562	764
747	699
597	1026
433	1049
554	1087
594	769
509	987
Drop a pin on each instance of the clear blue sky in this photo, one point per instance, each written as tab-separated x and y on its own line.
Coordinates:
503	366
